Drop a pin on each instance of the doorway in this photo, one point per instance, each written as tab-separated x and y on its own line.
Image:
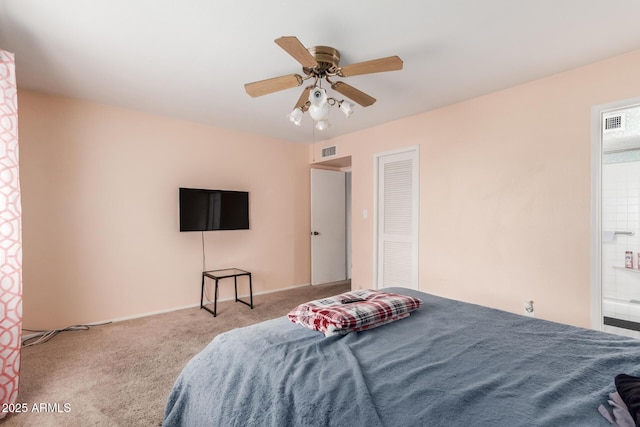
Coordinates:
616	217
330	226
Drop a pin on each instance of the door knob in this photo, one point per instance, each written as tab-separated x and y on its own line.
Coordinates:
315	233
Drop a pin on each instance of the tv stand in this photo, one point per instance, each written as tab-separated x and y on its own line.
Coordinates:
225	274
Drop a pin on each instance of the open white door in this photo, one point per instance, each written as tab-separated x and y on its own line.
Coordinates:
328	228
397	219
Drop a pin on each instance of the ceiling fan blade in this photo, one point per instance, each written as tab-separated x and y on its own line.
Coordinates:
353	93
390	63
265	87
296	49
304	98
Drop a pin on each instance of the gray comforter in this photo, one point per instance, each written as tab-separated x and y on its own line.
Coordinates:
448	364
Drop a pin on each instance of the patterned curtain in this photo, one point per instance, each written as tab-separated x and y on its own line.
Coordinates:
10	235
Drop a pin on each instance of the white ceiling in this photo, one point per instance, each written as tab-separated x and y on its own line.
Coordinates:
190	58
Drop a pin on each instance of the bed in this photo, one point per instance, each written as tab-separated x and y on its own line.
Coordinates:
449	363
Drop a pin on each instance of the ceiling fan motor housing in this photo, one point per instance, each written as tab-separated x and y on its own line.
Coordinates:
328	59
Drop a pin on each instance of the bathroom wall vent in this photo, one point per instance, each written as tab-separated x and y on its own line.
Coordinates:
614	123
329	151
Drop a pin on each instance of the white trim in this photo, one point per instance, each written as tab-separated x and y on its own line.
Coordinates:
596	204
596	233
376	172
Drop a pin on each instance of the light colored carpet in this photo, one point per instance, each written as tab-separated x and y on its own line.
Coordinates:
121	374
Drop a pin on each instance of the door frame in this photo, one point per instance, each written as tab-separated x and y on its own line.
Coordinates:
347	229
376	201
597	112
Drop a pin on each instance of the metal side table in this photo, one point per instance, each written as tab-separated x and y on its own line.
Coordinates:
225	274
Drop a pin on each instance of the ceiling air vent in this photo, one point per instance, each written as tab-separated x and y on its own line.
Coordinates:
329	151
614	123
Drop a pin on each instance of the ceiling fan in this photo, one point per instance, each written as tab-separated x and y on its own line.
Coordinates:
318	63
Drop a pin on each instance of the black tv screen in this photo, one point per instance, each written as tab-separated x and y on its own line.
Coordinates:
206	210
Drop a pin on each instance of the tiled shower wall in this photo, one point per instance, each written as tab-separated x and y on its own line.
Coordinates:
621	213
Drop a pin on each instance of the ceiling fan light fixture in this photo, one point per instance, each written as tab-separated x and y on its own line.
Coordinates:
295	116
319	108
322	124
346	107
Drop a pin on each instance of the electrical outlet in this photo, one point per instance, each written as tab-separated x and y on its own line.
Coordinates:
528	309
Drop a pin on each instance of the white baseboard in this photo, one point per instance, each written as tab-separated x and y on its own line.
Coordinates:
168	310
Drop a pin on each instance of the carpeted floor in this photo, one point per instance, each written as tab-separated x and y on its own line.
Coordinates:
121	374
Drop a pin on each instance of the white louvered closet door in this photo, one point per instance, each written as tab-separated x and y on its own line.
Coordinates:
397	220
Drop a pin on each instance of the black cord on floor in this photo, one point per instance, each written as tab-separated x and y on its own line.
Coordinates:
43	336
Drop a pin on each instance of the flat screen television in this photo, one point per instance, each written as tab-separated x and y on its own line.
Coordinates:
206	210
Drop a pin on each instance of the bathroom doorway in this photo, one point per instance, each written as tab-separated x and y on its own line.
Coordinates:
617	228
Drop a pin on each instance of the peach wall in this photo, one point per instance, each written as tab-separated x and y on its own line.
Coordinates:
100	197
504	191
